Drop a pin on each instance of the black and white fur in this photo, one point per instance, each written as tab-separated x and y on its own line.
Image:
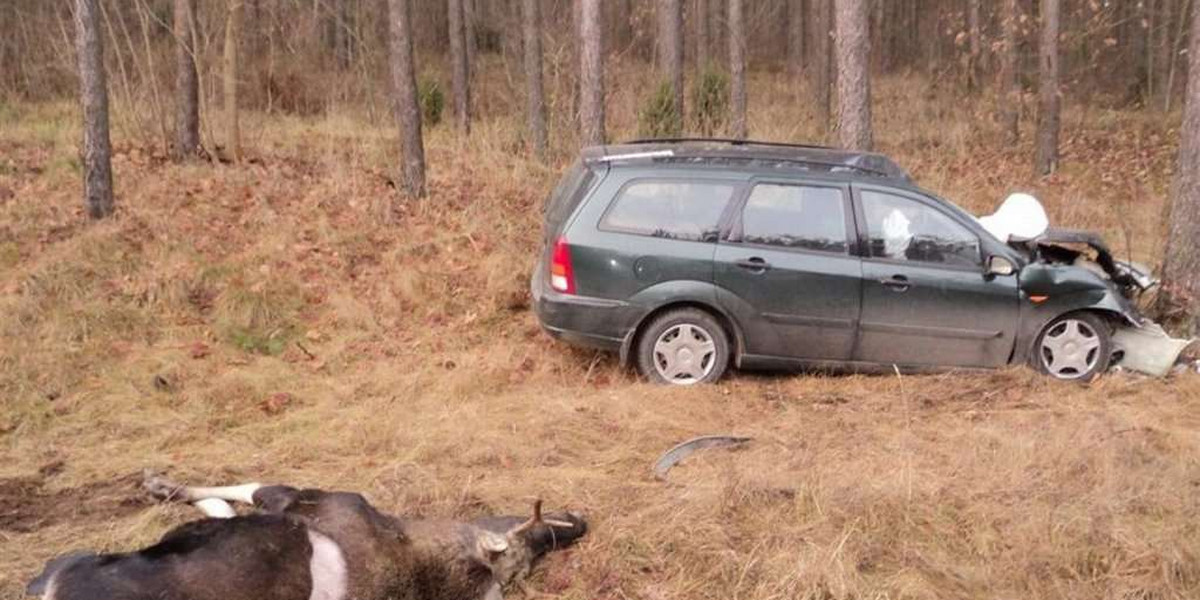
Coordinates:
310	544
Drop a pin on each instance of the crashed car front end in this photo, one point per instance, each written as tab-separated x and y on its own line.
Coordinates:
1069	270
1075	270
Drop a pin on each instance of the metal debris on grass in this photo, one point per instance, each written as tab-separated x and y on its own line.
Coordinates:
681	451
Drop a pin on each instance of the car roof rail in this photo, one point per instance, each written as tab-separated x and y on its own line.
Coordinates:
635	155
832	166
730	141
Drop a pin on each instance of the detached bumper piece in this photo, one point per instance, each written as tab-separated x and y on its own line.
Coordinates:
1147	349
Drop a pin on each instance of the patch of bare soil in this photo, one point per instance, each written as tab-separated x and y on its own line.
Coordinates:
28	504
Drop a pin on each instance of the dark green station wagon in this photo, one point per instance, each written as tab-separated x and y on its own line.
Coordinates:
687	256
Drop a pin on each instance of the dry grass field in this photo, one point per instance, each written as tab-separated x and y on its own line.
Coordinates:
255	322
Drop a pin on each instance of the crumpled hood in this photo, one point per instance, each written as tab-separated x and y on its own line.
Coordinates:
1123	273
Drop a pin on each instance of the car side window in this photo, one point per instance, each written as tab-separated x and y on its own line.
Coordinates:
679	210
903	229
795	216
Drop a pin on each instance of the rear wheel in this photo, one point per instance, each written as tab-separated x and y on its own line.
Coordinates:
683	347
1076	346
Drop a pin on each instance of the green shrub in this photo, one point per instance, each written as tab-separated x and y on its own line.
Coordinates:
710	101
659	118
432	100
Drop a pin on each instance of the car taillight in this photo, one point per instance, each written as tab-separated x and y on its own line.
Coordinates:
562	278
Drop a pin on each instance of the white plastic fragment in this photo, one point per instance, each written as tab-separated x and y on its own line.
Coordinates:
1148	349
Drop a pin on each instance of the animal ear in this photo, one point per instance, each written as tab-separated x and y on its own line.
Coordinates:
490	543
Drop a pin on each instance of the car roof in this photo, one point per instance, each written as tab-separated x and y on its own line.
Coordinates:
750	155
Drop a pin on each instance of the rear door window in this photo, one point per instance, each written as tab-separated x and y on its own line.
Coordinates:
795	216
680	210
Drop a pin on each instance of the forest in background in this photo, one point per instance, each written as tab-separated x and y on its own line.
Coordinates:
307	57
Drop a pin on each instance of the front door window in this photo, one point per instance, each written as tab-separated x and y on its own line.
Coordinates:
906	230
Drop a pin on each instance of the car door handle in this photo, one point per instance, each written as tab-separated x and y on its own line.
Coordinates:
753	263
898	283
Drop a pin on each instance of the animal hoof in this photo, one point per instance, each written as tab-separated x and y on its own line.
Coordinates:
161	488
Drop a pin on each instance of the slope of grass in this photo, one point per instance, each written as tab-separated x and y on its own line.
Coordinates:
256	322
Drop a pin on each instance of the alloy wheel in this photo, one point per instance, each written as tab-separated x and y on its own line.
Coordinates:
1070	349
684	354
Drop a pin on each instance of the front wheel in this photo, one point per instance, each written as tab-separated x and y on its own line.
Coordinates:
1076	347
683	347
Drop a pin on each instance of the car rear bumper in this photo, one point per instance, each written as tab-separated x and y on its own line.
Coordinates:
580	320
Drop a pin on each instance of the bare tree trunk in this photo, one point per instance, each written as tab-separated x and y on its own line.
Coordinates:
591	76
703	43
670	48
470	32
822	60
1179	300
1132	38
408	111
1051	101
233	26
93	88
737	70
975	45
1176	51
1010	82
535	96
795	36
342	40
1162	46
187	83
460	71
717	29
854	77
1152	43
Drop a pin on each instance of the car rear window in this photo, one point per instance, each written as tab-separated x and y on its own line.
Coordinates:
680	210
566	195
794	216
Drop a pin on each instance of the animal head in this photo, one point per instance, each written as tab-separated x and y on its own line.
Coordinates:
511	546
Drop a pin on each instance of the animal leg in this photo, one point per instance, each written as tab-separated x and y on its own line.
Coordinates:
165	489
494	593
216	508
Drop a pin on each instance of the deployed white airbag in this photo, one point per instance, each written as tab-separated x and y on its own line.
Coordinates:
1019	217
896	234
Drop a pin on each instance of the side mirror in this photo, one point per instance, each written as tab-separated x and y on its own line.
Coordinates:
1000	266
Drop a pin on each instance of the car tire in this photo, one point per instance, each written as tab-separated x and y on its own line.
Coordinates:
683	347
1074	347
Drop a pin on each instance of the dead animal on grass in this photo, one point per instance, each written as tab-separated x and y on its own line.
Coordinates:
311	544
